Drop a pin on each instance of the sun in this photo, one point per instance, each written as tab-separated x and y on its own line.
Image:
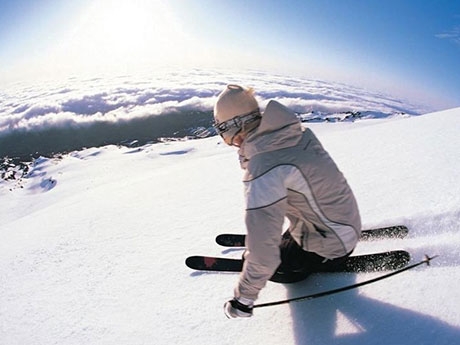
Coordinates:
121	25
127	33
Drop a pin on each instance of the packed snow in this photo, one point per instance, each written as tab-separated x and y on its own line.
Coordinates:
94	242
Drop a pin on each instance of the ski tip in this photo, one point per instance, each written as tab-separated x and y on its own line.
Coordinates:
429	258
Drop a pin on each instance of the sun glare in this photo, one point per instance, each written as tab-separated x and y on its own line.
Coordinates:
127	33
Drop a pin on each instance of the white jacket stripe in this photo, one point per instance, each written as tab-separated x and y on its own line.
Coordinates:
266	189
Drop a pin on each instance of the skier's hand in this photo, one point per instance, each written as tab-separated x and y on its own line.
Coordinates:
238	307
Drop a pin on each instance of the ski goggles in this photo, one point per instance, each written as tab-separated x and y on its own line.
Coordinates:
237	123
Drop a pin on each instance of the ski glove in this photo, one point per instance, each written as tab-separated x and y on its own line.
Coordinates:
238	307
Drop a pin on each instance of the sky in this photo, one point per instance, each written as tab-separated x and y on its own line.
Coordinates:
406	48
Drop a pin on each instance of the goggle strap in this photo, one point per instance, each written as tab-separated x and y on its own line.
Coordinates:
237	122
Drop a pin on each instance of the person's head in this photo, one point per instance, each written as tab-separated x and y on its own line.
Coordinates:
236	113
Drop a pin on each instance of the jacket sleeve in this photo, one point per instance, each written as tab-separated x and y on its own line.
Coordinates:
265	210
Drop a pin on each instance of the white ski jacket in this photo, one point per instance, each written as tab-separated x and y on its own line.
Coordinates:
290	175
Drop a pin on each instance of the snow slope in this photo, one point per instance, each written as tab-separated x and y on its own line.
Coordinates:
93	244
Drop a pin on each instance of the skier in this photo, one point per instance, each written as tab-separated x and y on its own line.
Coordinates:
288	175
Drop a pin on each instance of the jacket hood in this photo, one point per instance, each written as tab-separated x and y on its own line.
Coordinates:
279	128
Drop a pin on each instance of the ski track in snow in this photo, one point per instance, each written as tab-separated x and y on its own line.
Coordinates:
93	245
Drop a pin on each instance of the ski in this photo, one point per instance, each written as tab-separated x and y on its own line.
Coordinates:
396	231
390	260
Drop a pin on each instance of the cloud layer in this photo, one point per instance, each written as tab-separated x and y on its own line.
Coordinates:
49	117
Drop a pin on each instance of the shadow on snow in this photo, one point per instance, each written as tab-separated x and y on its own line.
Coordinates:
368	321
